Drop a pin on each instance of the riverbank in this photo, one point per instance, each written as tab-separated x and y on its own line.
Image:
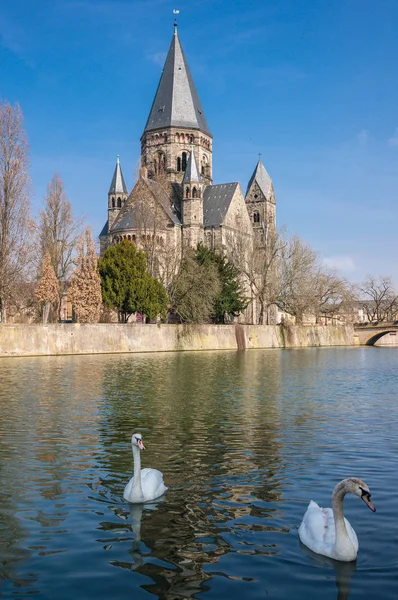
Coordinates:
58	339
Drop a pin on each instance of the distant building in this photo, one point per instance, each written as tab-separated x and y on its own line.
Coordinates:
174	201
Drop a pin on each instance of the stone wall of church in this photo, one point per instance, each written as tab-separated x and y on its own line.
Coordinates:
165	150
262	212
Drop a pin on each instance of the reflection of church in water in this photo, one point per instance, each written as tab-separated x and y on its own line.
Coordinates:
175	182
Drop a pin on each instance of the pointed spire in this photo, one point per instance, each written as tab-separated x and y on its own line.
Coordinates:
261	177
118	186
192	172
176	102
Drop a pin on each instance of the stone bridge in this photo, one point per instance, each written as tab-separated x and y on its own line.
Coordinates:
369	334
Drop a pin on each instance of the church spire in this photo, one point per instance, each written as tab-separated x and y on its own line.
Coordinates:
192	172
176	102
262	179
118	186
117	194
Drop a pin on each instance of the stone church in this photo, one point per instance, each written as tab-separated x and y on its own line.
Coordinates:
174	201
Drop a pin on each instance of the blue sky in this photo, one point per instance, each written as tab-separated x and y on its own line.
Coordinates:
311	84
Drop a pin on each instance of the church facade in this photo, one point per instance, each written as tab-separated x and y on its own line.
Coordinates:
174	202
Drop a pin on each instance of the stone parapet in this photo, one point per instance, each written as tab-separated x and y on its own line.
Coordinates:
63	339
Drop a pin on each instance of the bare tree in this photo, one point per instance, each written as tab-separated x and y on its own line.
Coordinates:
260	271
153	208
15	221
58	229
304	285
85	283
47	289
378	298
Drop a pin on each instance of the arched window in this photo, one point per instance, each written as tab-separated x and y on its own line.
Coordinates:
178	163
256	217
187	192
191	139
184	161
177	137
160	163
204	165
119	203
113	202
194	192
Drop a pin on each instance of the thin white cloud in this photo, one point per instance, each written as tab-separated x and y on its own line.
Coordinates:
363	137
158	58
393	141
341	263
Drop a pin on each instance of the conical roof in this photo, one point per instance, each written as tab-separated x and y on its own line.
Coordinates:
176	101
263	180
118	186
192	172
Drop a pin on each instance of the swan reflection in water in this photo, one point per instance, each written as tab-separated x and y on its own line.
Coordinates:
343	570
136	511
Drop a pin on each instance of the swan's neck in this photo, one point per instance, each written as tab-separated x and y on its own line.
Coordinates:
343	542
137	488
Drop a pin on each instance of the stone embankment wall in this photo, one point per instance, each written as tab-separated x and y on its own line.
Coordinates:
47	340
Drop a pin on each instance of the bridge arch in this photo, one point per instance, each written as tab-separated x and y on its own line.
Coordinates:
372	339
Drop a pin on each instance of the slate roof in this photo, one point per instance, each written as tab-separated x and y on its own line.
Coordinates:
118	186
216	201
104	230
263	180
176	102
192	172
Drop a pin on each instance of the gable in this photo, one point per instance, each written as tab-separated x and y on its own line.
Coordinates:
149	206
236	216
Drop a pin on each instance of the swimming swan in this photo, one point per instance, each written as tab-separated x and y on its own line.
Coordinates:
147	484
326	531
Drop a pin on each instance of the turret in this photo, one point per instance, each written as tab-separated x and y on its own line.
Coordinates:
192	203
117	194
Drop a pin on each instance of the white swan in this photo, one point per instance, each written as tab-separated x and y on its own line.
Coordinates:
146	484
326	531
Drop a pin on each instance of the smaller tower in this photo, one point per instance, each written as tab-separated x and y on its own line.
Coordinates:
117	195
192	203
260	202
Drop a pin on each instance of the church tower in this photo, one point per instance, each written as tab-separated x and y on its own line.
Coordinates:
260	202
117	194
176	120
192	203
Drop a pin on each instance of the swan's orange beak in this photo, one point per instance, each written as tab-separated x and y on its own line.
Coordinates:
366	499
140	445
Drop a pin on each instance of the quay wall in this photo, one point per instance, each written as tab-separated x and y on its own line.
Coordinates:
57	339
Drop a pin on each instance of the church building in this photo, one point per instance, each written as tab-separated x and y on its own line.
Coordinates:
174	202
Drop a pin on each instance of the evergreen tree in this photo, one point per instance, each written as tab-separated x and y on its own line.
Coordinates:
194	290
47	289
85	284
126	284
231	299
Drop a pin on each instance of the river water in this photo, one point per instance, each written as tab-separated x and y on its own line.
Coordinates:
244	440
